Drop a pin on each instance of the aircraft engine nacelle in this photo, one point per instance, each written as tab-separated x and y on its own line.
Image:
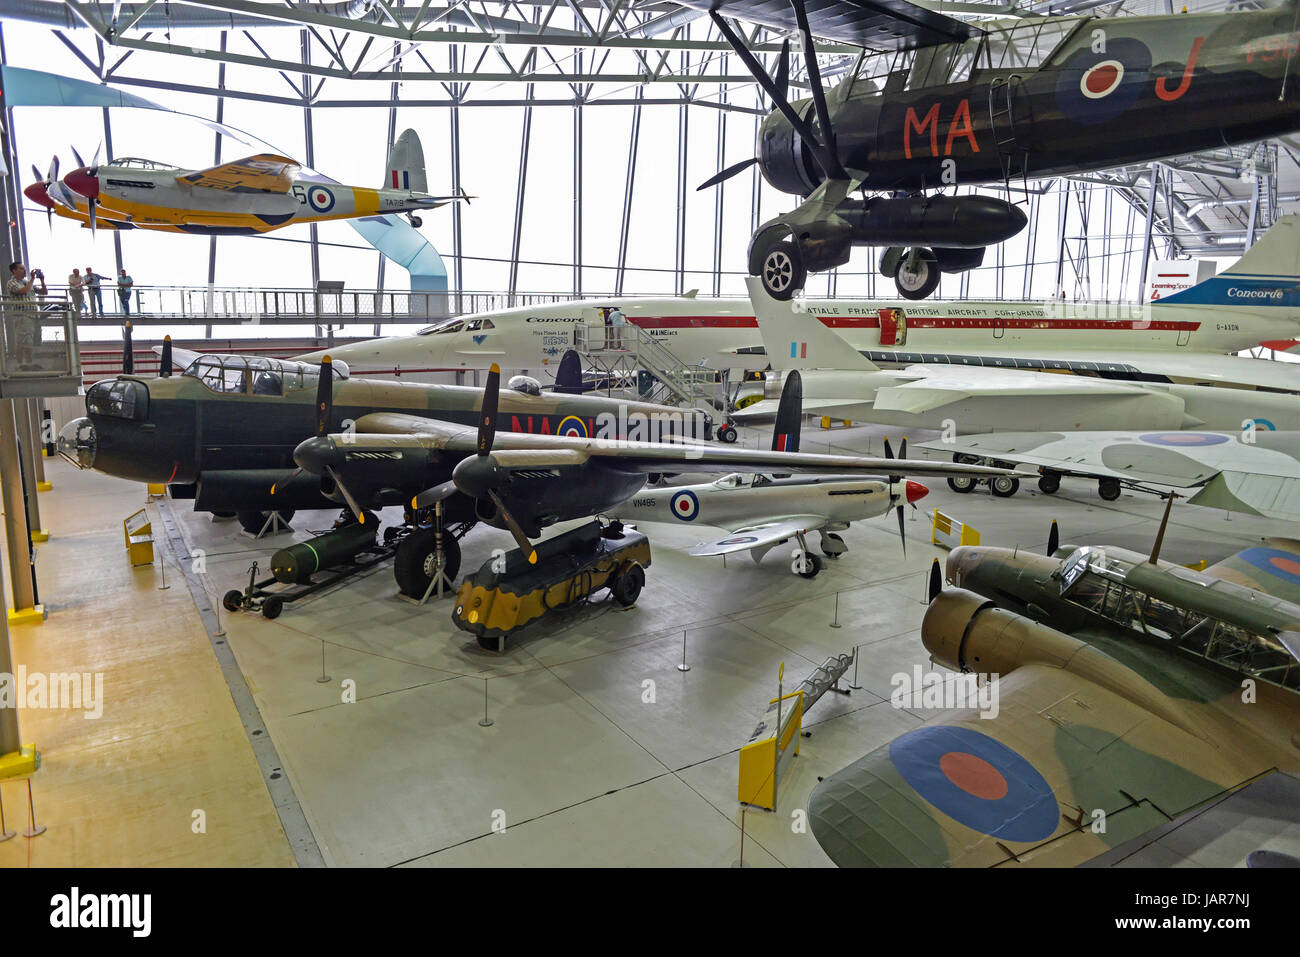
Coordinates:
785	159
538	498
967	632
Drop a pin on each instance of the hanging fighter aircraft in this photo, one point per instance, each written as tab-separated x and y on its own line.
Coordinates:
1129	691
526	482
760	511
252	195
949	104
1182	339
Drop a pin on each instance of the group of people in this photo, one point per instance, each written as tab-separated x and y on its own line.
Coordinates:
79	286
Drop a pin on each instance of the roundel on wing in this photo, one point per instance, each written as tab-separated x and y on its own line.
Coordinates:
1183	440
572	425
685	505
1095	88
977	781
321	199
1274	561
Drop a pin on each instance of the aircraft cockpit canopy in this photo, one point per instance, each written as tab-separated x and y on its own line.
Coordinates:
257	375
1143	599
135	162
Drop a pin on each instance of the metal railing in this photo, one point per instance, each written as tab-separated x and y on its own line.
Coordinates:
230	305
39	354
621	354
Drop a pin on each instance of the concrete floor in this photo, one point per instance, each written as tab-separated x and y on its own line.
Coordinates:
581	764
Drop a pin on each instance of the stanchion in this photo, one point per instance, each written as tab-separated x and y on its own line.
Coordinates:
855	686
221	630
741	862
836	622
162	563
683	666
486	722
323	676
5	833
33	829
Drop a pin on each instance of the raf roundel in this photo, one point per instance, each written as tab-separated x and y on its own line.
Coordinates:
685	505
1101	79
1274	561
1184	440
573	426
321	199
977	781
1096	87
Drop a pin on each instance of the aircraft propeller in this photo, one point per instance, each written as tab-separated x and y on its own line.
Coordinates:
165	363
39	179
478	475
894	479
1053	540
936	581
128	350
781	86
324	410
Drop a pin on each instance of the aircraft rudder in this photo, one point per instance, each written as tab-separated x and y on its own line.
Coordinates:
1267	274
795	339
789	415
406	165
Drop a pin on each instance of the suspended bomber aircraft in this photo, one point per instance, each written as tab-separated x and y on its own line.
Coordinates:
760	511
948	103
256	194
1181	339
1129	690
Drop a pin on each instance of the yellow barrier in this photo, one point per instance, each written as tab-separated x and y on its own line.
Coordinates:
157	488
947	532
137	530
828	422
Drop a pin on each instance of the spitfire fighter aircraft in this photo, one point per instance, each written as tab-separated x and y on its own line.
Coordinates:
1129	690
945	103
762	511
252	195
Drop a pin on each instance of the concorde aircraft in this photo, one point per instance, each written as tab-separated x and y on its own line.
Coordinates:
1183	338
248	196
760	511
1130	690
949	103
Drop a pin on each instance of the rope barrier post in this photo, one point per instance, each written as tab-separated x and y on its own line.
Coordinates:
323	676
486	722
836	622
683	667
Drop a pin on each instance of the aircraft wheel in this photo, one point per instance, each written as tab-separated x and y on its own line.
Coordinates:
1004	486
233	600
1108	489
272	606
417	222
810	564
628	586
727	433
783	272
1049	483
417	560
916	280
223	514
832	536
961	483
252	521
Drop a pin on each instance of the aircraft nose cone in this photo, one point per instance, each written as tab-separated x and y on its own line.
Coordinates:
81	181
315	455
39	195
476	475
77	443
916	491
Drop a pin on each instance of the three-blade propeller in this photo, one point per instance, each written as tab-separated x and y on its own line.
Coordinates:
324	412
895	479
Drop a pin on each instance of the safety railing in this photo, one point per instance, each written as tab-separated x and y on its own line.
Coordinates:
39	354
225	304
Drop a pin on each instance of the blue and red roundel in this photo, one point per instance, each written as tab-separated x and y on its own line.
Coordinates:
1095	88
1184	440
1274	561
685	505
977	781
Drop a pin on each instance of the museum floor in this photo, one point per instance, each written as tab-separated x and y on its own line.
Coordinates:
584	763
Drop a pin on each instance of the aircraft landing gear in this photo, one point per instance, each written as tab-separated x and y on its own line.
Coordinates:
415	221
1004	486
727	433
833	545
806	564
416	563
1108	489
782	271
918	273
258	524
1049	483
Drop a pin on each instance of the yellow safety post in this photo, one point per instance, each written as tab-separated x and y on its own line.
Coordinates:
947	532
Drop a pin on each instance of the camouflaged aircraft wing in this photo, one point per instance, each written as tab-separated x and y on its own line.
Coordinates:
1272	567
758	534
1068	768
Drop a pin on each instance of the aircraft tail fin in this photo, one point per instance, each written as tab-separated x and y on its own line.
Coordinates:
406	165
1267	275
799	340
568	378
789	415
